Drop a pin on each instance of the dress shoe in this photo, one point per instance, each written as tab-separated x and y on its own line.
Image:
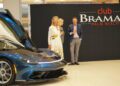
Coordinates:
77	63
71	64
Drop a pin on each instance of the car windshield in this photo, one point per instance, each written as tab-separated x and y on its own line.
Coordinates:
5	33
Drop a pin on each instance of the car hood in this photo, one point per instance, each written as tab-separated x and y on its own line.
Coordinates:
43	55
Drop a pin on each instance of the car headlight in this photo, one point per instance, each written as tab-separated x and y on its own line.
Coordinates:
27	59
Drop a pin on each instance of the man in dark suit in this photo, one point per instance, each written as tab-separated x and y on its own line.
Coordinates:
75	35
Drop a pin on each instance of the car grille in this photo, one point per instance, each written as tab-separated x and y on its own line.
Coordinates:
47	74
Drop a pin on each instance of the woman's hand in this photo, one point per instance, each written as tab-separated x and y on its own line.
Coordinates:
62	33
49	46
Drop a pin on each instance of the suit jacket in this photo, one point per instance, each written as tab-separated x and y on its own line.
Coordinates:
79	30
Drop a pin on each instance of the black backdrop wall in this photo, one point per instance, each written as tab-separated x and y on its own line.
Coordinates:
99	42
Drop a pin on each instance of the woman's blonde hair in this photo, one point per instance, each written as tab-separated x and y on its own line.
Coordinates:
53	19
60	19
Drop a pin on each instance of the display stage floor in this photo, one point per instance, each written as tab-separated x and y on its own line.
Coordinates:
93	73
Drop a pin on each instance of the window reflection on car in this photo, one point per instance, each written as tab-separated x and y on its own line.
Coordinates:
7	38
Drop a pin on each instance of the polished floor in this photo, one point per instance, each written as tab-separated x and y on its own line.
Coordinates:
93	73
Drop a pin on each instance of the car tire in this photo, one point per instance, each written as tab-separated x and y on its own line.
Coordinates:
7	72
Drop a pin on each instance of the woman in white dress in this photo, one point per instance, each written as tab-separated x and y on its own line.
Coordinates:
54	37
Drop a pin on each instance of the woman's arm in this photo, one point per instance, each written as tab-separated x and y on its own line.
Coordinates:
49	38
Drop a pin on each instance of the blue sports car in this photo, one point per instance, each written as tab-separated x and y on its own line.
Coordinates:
19	59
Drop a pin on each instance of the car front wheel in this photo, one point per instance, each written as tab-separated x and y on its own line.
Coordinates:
7	72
